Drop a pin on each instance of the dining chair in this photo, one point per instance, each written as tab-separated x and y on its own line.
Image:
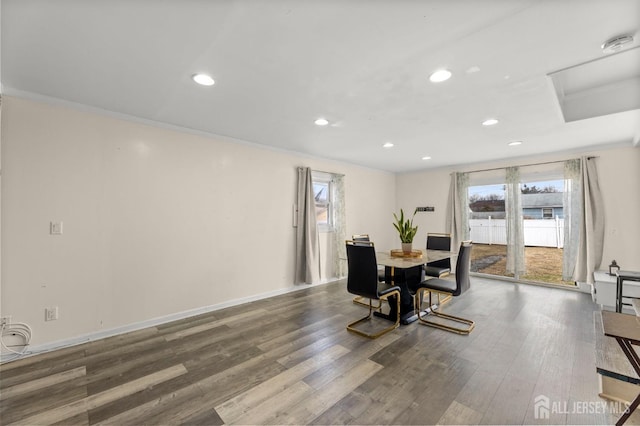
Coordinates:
359	300
449	288
359	238
438	268
362	280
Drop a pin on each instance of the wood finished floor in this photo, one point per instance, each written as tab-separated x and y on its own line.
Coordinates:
290	360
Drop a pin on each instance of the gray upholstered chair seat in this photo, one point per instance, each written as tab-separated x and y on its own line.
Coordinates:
437	284
436	271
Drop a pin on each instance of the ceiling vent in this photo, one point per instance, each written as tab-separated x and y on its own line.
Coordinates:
616	44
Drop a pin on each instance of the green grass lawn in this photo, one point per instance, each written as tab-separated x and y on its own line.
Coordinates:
543	264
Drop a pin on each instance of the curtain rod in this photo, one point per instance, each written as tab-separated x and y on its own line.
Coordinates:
322	171
526	165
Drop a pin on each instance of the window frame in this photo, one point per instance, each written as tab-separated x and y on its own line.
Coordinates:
547	209
325	179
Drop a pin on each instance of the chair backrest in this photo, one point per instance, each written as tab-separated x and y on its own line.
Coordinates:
439	242
462	268
360	238
363	269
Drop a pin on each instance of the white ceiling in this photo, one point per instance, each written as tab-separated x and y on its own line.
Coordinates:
364	65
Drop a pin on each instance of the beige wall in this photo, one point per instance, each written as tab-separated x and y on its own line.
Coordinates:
619	176
156	221
159	222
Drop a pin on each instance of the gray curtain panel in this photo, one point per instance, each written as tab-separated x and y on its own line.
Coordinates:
307	248
515	227
457	220
592	223
571	203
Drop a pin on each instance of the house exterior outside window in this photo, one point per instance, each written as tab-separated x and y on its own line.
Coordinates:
323	195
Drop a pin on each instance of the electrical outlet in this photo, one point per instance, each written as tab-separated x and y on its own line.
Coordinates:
5	321
51	314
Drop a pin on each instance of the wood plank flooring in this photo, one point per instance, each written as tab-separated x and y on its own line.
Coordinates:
290	360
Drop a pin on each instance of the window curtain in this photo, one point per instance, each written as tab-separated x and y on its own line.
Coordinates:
340	221
307	247
592	223
515	228
457	221
571	204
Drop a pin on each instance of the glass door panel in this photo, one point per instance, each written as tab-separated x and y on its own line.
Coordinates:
543	223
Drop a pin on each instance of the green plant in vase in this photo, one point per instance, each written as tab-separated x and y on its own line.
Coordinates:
406	230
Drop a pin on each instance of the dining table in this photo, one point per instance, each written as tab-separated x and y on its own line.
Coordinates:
621	277
406	271
625	329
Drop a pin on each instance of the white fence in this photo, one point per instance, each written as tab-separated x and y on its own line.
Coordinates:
537	232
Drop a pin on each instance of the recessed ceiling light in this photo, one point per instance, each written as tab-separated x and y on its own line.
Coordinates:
515	143
203	79
387	145
440	76
426	157
490	122
321	122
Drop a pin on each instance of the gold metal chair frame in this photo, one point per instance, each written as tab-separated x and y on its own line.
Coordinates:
433	310
351	327
359	300
446	297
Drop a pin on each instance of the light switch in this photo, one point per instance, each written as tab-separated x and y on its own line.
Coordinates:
55	228
51	314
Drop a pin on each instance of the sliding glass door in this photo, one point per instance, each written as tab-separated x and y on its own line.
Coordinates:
518	225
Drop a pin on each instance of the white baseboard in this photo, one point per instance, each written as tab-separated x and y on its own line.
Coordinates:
584	287
102	334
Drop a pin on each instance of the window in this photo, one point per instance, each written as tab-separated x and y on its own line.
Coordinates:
323	194
542	192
